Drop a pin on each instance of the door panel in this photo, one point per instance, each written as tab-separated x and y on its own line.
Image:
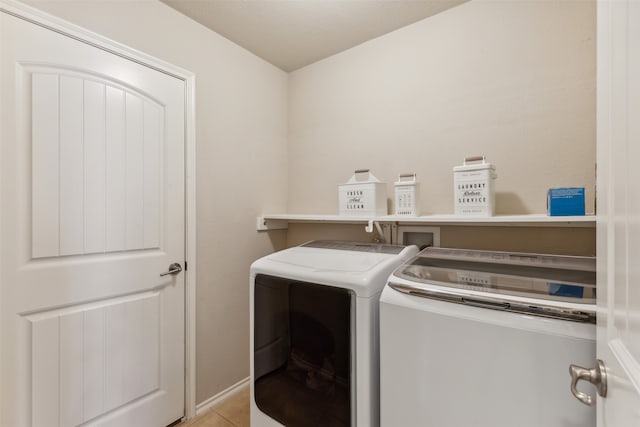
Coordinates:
100	356
95	170
46	172
92	196
72	119
115	186
70	159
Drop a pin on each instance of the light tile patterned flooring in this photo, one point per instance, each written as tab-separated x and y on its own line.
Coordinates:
231	412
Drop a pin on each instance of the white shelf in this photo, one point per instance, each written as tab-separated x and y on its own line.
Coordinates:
280	221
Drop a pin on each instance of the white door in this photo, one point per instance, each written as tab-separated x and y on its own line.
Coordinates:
91	212
618	227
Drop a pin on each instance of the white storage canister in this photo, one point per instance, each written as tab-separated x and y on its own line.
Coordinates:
406	195
473	187
362	195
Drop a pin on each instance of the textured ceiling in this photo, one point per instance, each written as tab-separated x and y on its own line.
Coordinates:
293	33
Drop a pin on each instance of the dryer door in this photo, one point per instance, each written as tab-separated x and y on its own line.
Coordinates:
302	357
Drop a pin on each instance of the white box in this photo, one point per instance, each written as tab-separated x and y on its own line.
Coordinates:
406	195
362	195
473	187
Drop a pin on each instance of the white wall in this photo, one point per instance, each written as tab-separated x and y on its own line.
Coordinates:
241	119
513	80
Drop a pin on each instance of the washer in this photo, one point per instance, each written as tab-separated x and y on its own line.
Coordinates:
314	333
480	338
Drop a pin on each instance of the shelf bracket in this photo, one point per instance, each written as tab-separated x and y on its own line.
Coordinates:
369	227
265	224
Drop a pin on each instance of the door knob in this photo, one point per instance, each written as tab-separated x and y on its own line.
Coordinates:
596	376
174	269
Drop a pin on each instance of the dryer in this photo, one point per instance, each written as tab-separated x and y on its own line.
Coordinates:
314	333
485	339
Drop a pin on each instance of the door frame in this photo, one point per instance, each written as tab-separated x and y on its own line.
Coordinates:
58	25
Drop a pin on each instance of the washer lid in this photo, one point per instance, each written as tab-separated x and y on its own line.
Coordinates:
361	267
337	257
548	277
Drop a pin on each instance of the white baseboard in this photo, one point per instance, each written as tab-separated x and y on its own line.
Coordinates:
203	407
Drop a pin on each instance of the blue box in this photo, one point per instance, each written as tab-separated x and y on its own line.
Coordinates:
566	201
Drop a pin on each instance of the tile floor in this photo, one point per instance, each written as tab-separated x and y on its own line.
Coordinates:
231	412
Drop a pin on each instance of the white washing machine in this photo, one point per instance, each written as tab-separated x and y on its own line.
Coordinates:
485	339
314	333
